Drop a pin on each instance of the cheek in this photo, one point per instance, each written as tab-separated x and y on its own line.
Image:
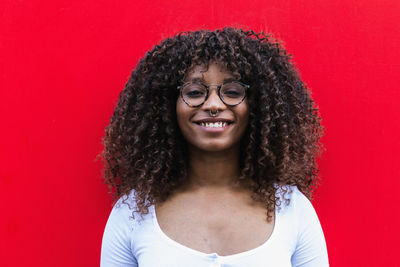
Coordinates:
182	114
244	114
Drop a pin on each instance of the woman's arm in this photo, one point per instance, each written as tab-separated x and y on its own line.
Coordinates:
311	247
116	244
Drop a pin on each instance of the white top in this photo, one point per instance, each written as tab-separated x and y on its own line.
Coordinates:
296	240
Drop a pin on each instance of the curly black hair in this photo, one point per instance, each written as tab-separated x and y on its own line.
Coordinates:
144	149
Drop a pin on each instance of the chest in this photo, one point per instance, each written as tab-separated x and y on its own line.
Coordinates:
224	226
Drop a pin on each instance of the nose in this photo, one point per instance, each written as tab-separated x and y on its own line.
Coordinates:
213	102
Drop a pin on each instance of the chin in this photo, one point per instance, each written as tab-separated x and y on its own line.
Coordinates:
214	147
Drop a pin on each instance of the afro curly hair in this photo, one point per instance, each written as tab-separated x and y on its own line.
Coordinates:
145	151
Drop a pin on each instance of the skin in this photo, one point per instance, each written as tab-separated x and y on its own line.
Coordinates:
212	193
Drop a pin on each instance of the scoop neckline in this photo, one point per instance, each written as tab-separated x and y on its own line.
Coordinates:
266	244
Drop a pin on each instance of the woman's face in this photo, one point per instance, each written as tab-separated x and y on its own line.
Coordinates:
194	122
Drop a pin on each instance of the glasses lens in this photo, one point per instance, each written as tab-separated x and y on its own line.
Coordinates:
194	94
233	93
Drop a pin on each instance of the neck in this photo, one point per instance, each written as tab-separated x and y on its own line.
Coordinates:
213	169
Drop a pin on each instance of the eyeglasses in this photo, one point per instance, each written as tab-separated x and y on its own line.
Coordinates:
194	93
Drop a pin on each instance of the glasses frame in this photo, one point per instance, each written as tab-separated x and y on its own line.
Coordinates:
180	87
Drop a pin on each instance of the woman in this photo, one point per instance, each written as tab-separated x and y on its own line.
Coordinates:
211	153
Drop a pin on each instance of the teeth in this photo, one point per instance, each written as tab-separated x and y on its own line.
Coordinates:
213	124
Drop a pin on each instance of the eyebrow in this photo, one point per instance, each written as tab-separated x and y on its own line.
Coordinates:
198	79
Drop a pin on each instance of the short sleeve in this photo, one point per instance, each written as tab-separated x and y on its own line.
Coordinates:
116	244
311	248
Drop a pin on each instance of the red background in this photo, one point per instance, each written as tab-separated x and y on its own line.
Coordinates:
63	64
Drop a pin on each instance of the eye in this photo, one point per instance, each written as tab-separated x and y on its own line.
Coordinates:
231	93
194	91
233	90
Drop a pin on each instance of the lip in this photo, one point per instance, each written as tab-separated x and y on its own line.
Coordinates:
212	119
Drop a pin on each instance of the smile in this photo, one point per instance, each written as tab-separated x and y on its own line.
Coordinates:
217	124
214	127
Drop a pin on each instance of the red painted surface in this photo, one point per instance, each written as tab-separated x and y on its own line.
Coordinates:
63	63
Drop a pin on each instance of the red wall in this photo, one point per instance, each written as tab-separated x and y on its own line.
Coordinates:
63	63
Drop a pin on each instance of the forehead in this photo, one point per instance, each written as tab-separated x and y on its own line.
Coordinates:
216	72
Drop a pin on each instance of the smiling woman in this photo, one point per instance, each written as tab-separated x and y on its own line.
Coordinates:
210	155
213	125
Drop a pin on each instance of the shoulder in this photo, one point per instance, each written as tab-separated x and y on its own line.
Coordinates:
116	243
296	207
126	203
291	196
122	214
310	248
